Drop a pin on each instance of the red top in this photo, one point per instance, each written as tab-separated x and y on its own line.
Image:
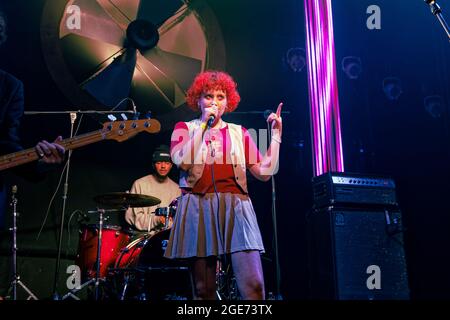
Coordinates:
218	142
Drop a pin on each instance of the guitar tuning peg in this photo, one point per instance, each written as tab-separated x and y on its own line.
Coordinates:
136	115
111	117
124	116
148	115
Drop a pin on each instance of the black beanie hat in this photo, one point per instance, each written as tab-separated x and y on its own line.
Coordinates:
162	153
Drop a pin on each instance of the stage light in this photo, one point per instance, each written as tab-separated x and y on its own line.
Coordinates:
352	67
434	105
392	88
296	59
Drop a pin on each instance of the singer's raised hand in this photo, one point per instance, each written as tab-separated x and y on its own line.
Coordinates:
275	119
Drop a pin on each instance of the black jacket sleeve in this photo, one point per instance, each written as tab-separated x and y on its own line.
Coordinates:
11	112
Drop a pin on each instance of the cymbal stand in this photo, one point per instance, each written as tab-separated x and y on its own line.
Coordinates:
167	216
97	278
99	252
16	277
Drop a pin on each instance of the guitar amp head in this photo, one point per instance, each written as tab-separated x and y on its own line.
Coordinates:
353	189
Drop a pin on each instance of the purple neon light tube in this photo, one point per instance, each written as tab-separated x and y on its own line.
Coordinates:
323	89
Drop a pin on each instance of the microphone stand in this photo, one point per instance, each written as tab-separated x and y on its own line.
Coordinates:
73	117
436	10
275	233
265	114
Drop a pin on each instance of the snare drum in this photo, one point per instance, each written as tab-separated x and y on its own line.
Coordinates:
113	240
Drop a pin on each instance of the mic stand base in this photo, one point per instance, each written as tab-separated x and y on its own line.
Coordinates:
72	293
16	282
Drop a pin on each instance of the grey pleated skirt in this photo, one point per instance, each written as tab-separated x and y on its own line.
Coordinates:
197	232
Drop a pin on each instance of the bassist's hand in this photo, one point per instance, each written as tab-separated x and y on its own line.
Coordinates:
50	152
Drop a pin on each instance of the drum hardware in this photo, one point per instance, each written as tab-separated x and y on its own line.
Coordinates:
226	286
128	275
139	275
125	287
124	267
16	277
118	200
98	272
166	212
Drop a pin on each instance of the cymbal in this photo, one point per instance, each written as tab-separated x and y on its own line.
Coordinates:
124	199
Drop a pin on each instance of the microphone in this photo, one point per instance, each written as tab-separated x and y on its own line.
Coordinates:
267	113
136	114
211	120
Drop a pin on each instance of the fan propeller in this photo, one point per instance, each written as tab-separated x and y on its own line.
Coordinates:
133	30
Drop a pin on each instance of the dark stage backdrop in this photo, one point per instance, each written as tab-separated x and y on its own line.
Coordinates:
395	137
406	138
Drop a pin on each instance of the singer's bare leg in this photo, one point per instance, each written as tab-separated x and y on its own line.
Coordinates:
248	271
203	278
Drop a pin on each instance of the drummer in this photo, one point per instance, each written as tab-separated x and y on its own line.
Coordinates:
157	185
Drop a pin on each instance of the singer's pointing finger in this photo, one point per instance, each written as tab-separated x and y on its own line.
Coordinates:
280	106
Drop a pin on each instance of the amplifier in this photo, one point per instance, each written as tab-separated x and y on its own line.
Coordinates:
356	254
341	188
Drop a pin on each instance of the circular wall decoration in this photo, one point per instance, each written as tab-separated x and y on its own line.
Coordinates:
102	51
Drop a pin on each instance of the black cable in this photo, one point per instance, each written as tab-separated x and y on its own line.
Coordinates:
223	257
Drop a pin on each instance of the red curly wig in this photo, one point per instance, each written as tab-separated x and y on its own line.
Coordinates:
213	80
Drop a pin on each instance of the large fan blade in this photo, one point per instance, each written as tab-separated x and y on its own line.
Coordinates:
123	11
175	37
96	24
89	57
113	83
147	94
174	20
179	68
167	87
157	11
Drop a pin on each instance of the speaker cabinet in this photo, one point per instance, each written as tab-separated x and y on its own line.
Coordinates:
356	255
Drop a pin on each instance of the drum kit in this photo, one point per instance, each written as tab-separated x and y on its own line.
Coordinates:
119	267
